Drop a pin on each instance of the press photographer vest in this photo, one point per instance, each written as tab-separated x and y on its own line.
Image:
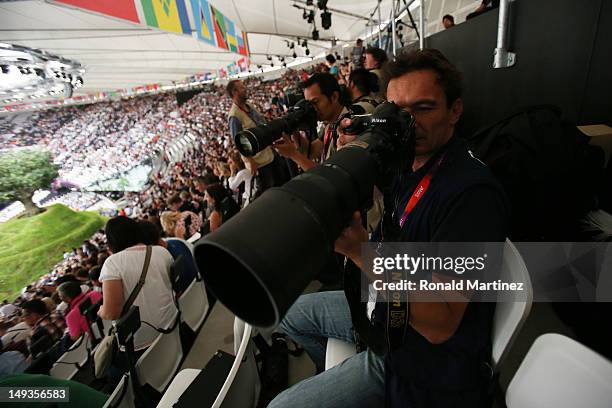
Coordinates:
266	156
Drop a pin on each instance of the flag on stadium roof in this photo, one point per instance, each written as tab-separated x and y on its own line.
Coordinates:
125	10
203	21
168	15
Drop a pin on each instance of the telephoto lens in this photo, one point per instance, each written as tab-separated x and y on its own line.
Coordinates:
260	261
301	116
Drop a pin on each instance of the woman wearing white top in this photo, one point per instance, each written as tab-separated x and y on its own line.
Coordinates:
121	272
240	174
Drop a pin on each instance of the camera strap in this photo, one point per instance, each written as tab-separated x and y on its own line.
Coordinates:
326	141
420	190
398	306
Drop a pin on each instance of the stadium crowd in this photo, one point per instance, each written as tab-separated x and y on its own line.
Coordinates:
177	202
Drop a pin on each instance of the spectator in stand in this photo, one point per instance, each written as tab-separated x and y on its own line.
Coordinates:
222	205
330	61
177	247
240	179
375	58
266	165
362	87
180	224
357	54
187	204
43	323
448	21
120	275
94	277
71	293
174	202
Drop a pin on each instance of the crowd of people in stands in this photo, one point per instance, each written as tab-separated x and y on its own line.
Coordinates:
182	200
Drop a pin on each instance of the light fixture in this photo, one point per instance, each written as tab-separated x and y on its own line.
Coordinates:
326	20
315	34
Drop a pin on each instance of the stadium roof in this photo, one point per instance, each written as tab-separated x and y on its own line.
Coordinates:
119	54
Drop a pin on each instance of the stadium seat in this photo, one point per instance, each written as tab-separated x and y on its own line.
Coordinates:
241	387
161	360
194	238
123	395
72	360
177	387
510	314
559	372
194	305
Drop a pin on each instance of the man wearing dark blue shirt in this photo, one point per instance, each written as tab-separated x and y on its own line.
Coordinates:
442	358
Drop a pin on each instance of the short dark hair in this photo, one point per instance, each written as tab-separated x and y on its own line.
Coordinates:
70	289
449	77
449	17
174	199
94	273
207	178
65	278
35	306
150	232
379	55
231	87
122	233
366	81
327	82
330	58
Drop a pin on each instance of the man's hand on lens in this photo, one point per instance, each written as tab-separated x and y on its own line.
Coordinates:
285	147
350	240
344	138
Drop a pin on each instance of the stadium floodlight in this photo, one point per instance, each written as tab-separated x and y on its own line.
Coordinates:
326	20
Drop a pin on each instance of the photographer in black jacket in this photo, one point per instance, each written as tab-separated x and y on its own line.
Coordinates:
442	359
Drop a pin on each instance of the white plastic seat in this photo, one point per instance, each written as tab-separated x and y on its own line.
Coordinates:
161	360
559	372
179	384
510	314
194	305
241	387
123	395
66	366
337	351
194	238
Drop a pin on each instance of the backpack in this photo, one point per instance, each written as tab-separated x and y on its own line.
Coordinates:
546	168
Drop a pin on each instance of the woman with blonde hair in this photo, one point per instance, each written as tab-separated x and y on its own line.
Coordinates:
180	224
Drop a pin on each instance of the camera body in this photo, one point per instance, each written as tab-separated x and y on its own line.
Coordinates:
389	134
301	116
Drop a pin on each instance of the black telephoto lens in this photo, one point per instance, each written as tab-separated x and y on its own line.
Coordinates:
260	261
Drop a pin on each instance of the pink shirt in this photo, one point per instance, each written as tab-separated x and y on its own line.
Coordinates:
77	324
